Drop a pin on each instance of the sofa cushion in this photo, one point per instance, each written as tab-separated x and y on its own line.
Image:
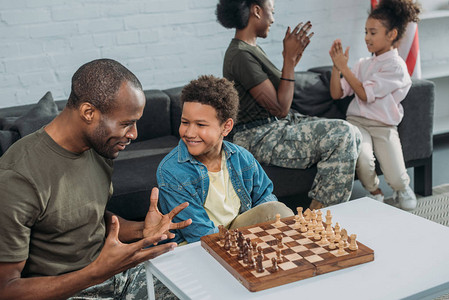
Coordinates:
39	115
175	108
155	121
7	138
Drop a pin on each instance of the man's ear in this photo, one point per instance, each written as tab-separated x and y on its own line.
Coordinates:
87	112
227	126
256	10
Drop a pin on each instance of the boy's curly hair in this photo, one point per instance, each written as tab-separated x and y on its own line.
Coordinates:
396	14
216	92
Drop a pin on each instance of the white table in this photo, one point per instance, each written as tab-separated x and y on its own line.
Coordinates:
411	260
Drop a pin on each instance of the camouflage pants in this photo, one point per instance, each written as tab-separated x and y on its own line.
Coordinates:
128	285
300	142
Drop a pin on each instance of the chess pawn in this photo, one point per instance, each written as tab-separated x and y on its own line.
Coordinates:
254	247
227	243
312	227
279	242
297	224
341	248
352	242
234	249
278	221
344	237
259	265
245	253
250	258
303	226
324	241
332	243
278	256
275	267
317	235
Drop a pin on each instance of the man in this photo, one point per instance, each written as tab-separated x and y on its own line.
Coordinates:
57	238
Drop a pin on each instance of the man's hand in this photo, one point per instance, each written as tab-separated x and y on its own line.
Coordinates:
116	257
157	224
339	58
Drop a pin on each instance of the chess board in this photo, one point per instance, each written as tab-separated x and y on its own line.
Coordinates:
301	256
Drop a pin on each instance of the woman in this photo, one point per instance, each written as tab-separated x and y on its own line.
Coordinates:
266	125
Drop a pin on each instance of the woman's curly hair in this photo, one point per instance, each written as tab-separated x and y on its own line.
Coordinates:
396	14
216	92
235	13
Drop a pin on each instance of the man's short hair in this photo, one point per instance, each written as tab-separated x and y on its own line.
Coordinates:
216	92
97	82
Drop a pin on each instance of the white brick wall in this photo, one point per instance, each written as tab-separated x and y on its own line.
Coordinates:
165	43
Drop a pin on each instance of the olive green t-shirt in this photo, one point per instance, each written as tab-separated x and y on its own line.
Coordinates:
249	66
52	205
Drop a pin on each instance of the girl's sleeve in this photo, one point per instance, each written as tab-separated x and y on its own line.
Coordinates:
391	79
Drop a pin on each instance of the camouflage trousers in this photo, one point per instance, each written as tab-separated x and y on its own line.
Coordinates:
299	142
128	285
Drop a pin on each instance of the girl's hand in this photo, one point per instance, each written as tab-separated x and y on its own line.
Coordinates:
339	58
296	41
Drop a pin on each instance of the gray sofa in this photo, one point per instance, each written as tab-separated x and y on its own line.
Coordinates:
135	169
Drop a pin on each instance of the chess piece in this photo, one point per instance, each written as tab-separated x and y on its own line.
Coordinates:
337	233
303	226
275	267
352	242
259	266
297	224
221	233
317	235
278	221
307	215
279	241
254	247
278	256
234	249
245	253
240	239
311	228
324	241
344	237
341	248
241	252
227	243
250	258
332	243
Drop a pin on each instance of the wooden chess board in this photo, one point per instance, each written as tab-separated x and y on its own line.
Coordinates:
301	256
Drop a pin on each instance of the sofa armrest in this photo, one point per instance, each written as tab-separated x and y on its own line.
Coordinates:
416	128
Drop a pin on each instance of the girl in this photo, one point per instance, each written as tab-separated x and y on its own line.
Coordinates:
379	83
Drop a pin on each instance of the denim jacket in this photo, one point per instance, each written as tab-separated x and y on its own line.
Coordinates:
182	178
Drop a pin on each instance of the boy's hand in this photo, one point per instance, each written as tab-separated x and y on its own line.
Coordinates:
157	224
339	58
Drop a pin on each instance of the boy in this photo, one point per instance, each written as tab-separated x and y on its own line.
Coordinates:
223	182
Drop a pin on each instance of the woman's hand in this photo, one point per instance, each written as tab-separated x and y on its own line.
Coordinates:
296	41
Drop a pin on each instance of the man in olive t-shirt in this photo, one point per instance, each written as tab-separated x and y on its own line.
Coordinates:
57	237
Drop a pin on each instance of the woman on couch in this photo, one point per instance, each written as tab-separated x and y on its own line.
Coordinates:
266	126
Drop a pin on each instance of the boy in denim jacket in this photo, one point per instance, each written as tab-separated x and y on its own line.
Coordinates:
223	182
